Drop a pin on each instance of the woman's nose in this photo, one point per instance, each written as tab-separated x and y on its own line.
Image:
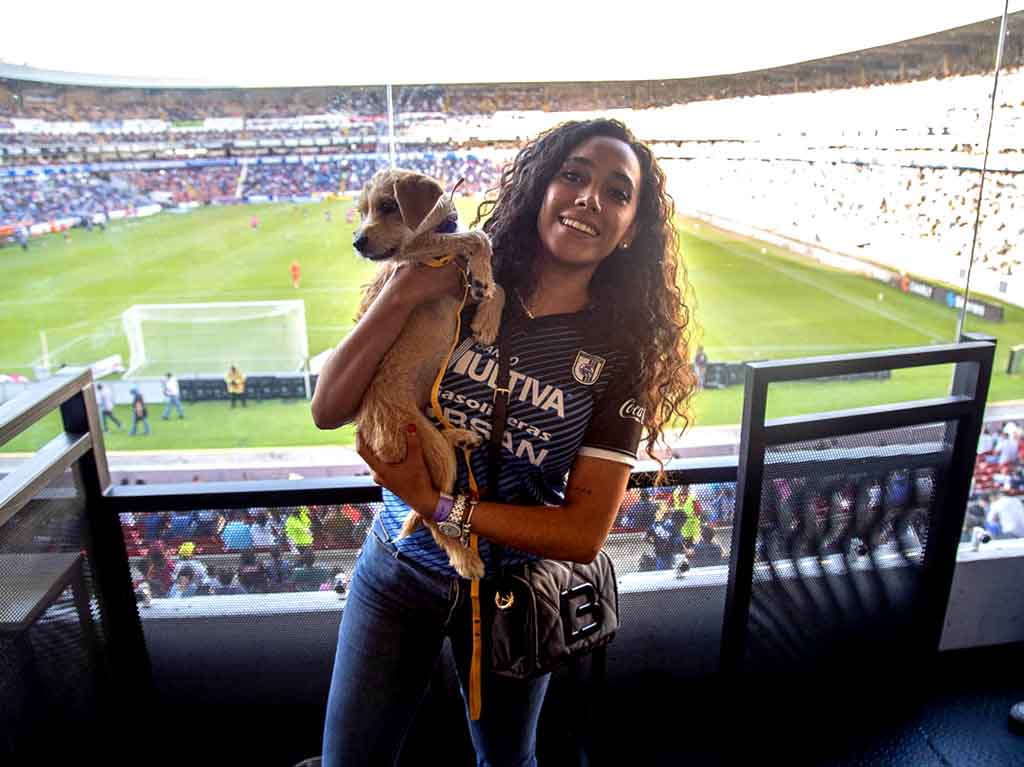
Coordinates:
589	201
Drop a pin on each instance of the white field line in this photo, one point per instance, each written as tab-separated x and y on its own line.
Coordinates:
869	306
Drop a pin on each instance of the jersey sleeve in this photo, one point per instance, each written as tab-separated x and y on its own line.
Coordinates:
617	423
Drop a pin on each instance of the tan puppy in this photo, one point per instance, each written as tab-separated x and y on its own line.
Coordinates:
401	211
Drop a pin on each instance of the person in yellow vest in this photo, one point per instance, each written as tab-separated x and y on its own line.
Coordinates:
235	380
298	528
687	506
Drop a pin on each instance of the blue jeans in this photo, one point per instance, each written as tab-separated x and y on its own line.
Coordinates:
391	635
136	421
173	402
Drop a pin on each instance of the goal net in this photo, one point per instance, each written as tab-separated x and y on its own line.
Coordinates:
260	337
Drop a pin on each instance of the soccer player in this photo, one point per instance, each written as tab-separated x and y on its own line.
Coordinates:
296	273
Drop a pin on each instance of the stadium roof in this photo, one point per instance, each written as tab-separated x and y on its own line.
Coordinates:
193	44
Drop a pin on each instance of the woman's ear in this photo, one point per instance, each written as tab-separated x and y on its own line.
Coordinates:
416	195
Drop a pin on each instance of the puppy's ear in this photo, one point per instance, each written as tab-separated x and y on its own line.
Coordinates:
416	195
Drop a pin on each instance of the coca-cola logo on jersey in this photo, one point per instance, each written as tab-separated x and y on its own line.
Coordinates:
632	409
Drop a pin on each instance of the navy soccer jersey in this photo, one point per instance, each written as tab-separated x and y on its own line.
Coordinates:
571	393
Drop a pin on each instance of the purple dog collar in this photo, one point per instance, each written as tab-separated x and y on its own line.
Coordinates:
448	226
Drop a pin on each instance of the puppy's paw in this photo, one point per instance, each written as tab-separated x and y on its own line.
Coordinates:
466	562
480	290
462	438
488	318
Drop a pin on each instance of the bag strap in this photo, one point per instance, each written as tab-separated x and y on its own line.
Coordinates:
499	413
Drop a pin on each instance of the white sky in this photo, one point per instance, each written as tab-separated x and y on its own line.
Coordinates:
225	42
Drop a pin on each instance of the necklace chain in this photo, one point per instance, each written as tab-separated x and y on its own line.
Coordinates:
526	309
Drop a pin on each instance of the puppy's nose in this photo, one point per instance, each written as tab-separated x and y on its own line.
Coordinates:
359	243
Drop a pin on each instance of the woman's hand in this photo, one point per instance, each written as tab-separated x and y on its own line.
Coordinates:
414	284
408	479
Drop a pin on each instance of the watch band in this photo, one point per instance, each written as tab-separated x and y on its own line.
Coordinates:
444	507
452	526
466	531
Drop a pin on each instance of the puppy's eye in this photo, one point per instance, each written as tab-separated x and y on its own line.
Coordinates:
387	206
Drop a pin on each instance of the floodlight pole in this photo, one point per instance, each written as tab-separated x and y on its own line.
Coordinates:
391	126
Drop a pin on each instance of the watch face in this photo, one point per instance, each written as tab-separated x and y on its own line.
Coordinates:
449	528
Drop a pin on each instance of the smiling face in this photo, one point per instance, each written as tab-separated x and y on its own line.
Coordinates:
590	205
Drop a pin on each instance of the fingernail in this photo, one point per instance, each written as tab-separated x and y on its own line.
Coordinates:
411	428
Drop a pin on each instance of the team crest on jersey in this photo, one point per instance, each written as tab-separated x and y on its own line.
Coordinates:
587	368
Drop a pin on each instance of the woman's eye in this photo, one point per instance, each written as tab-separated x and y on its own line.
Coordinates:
571	176
621	195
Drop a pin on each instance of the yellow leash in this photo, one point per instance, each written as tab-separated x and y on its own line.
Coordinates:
474	587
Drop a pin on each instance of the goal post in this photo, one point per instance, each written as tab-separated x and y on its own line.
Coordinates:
260	337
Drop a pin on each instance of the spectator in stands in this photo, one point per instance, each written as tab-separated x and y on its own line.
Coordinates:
236	534
706	552
687	513
106	403
139	413
154	525
308	575
229	582
1007	449
183	525
665	537
252	574
173	393
213	583
279	570
186	558
987	440
185	584
263	533
641	514
1005	517
158	570
298	528
337	526
235	381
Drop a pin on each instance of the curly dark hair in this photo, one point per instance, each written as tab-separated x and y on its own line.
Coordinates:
642	292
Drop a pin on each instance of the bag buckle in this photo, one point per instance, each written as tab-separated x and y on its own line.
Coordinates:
504	601
590	606
502	390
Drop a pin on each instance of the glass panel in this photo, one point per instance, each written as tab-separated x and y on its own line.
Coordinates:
996	300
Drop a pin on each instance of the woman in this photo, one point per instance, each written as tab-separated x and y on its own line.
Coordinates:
585	249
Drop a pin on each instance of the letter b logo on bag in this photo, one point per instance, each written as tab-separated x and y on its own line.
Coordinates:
571	618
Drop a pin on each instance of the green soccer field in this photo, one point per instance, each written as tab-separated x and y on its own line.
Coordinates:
749	305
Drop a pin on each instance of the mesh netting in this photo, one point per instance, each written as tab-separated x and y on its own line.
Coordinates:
50	664
842	537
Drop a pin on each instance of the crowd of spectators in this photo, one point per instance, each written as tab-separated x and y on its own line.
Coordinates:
47	198
996	503
901	210
302	180
201	185
297	179
242	552
26	200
